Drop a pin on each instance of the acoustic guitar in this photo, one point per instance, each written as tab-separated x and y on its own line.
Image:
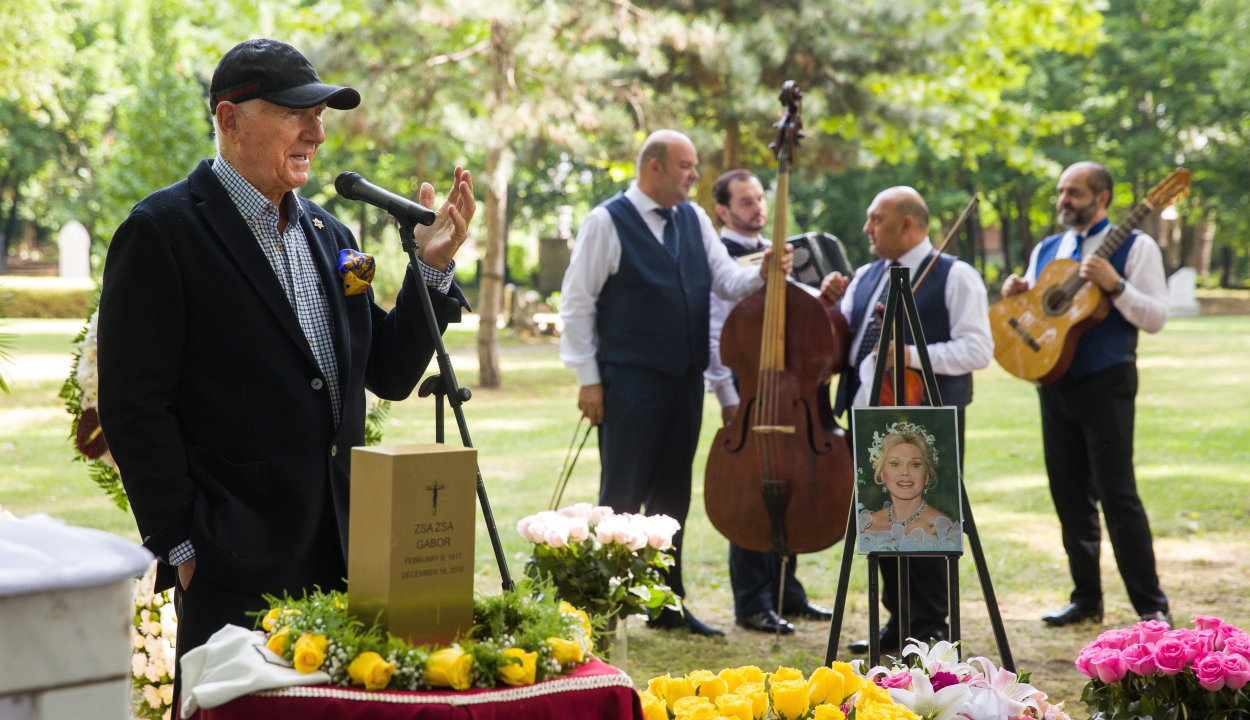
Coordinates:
1036	332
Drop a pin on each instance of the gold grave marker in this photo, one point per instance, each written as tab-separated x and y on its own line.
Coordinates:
410	550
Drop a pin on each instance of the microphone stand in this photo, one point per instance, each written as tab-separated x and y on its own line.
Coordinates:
456	395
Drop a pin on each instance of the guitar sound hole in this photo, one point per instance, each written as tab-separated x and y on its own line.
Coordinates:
1055	301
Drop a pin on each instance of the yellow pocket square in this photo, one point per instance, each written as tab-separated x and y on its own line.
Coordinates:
356	269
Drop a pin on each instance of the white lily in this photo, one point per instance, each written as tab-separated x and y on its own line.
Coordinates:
943	656
1015	694
922	700
986	703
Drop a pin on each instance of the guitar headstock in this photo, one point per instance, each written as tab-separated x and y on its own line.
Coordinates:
1172	187
790	127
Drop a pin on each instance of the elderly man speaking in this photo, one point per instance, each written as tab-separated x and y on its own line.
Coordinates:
237	335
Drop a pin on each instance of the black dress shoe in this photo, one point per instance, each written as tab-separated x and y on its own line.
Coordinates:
1072	614
670	619
698	628
809	611
889	643
1158	616
767	621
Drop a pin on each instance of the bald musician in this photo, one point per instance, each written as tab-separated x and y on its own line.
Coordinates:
635	308
953	310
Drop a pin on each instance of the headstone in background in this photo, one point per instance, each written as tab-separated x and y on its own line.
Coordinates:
66	614
553	260
410	547
1181	299
74	251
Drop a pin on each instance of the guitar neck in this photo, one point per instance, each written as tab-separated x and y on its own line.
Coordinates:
1117	237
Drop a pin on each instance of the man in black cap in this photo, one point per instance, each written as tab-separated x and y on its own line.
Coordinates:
237	335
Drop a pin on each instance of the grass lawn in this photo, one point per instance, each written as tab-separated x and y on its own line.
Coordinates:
1191	457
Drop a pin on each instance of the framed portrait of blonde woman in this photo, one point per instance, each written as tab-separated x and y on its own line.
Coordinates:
907	488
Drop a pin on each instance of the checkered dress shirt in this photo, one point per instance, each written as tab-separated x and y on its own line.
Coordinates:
292	262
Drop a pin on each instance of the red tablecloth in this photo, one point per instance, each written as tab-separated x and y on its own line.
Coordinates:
594	691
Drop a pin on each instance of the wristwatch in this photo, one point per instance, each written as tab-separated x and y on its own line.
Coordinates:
1119	289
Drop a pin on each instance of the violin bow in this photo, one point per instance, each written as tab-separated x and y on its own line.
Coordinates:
963	217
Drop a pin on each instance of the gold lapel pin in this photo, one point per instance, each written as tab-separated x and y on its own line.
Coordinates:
318	224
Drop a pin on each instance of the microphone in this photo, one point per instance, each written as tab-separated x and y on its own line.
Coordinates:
354	187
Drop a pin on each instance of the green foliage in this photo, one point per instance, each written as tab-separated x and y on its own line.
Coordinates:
374	421
606	580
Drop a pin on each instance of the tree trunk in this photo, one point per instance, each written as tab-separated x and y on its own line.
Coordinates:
1025	227
10	226
731	155
490	302
1004	222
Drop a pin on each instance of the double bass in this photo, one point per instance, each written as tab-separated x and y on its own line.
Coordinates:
779	476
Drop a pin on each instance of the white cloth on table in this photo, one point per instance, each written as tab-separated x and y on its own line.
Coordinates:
597	256
971	346
39	553
233	663
1144	302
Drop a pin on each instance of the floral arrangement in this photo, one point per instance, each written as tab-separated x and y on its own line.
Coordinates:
1152	670
607	564
518	638
930	683
81	393
153	637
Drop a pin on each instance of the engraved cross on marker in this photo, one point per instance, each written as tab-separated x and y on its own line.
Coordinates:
434	489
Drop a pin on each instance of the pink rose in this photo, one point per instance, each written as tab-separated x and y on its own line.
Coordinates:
1236	671
577	510
1108	665
1117	639
1199	644
556	534
599	513
1208	622
1171	656
1210	671
578	529
605	531
898	680
1238	645
1140	659
1151	631
660	531
1082	660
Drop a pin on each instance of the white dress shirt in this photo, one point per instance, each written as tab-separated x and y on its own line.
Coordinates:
597	256
719	378
971	346
1144	302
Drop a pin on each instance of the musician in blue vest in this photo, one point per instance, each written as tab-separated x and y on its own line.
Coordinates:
743	212
635	308
1087	415
953	310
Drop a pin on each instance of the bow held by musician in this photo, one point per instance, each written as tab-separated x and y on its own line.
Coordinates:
1088	411
635	306
952	304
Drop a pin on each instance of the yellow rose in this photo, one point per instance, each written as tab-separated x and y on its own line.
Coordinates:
450	667
790	699
829	712
370	670
832	684
270	620
652	707
310	652
872	694
709	686
784	673
279	642
884	711
670	689
693	708
582	618
521	673
565	651
736	706
732	678
759	698
751	674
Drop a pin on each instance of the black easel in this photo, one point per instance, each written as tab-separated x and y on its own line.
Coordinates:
893	327
444	385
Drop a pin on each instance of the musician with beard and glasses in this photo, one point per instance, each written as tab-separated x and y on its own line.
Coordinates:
743	211
1087	415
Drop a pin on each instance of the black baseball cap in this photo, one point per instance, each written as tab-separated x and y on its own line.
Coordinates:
274	71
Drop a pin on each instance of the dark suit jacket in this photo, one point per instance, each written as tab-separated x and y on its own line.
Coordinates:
210	399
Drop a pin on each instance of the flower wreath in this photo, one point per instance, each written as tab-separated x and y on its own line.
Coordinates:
874	451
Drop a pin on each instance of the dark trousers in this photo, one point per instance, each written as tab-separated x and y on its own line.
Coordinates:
205	607
755	577
647	442
1087	435
926	579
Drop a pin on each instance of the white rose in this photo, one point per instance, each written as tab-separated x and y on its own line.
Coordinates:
605	530
152	645
167	694
136	640
556	532
578	529
599	513
139	664
152	696
156	669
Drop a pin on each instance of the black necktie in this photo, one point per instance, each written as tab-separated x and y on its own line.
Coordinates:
873	332
671	242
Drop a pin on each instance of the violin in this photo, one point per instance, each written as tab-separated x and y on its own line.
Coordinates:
913	381
779	476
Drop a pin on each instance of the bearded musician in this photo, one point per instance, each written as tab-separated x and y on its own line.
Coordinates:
1087	415
743	211
953	310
